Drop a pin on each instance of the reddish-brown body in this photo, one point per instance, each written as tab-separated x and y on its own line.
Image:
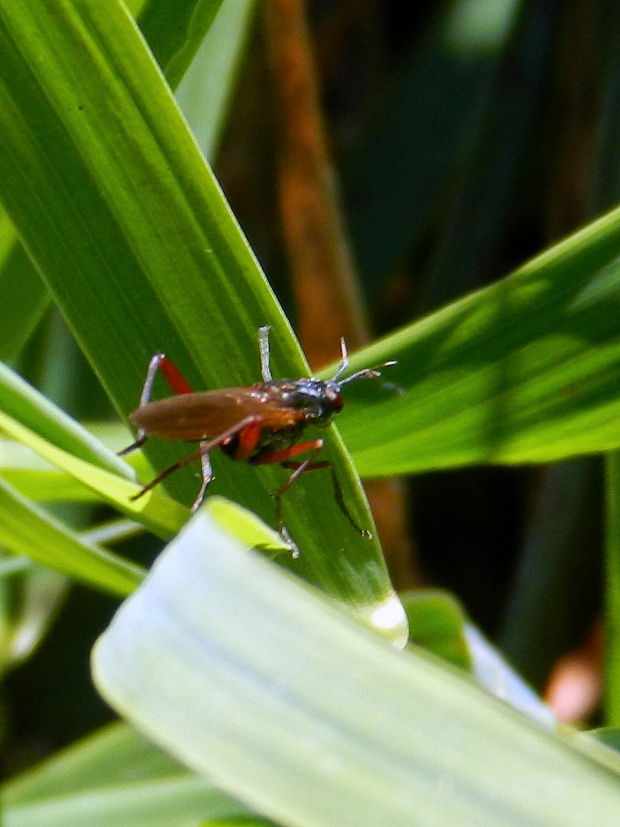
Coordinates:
259	424
196	416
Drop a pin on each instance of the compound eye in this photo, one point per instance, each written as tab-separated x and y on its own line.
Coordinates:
335	400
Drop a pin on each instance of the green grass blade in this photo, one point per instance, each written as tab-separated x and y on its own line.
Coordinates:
24	295
157	512
26	529
119	212
206	91
438	623
290	705
112	778
526	370
24	403
174	30
30	598
173	46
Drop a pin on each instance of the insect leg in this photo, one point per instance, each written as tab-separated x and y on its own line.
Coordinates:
134	445
338	493
282	456
263	349
314	445
203	454
344	361
207	475
299	468
167	471
177	382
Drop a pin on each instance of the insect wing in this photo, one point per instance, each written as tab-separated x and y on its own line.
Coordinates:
197	416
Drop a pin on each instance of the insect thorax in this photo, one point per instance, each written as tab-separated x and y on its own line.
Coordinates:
316	399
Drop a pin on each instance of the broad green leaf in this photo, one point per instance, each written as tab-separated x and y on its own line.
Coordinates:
591	741
251	678
606	735
438	623
113	778
128	219
527	370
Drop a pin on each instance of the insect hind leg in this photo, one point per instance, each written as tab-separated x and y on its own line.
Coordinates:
300	468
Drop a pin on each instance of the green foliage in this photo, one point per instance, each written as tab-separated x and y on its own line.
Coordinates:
287	693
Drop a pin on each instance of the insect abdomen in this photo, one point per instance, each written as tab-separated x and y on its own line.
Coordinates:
190	416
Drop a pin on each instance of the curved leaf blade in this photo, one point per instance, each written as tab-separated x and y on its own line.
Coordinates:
119	211
248	676
526	370
113	778
26	529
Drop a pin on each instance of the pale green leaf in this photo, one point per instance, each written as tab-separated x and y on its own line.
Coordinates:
113	778
251	678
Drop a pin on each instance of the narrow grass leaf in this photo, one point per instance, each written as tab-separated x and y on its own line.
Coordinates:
25	297
157	512
524	371
130	231
112	778
26	529
24	403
